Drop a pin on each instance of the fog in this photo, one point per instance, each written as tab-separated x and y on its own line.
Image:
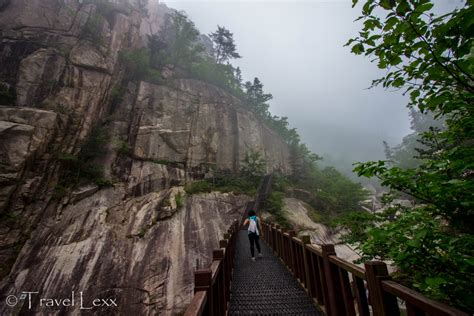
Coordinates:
296	50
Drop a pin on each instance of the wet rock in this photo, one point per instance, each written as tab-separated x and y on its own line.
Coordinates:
24	134
197	123
297	213
38	76
83	192
125	249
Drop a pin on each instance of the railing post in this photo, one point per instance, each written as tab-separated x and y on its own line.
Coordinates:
272	231
383	304
306	240
292	234
224	244
335	304
228	249
284	246
318	282
278	240
218	255
361	296
347	292
203	282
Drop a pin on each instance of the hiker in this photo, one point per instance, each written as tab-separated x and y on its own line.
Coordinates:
254	230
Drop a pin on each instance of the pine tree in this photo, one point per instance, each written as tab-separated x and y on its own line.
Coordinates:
224	45
256	98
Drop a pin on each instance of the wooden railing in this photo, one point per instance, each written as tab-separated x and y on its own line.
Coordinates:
212	285
342	288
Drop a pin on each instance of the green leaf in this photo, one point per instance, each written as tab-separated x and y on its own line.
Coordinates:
413	243
435	282
390	23
424	7
387	4
358	49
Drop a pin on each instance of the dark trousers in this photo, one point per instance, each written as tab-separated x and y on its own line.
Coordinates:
253	238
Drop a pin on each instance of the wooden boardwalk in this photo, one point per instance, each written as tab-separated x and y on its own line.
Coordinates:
236	285
265	286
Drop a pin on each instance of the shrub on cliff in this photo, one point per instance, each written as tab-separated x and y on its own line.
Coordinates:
223	181
253	165
138	67
177	43
83	167
92	30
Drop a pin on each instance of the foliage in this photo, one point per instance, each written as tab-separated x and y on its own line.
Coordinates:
83	167
427	255
302	160
224	76
224	45
179	200
224	182
92	29
201	186
253	165
334	194
406	154
117	95
138	67
280	182
430	57
274	206
329	195
94	146
123	148
256	98
177	43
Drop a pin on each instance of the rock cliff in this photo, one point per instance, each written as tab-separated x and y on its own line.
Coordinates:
137	239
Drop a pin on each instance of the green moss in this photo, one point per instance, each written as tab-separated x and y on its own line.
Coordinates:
179	200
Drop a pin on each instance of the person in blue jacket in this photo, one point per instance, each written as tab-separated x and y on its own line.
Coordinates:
254	231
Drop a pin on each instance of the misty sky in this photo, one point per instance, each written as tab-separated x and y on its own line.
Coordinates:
296	49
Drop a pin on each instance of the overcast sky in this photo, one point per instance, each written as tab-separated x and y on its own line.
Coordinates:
296	49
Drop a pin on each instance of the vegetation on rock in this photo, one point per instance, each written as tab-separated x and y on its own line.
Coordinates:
83	167
253	165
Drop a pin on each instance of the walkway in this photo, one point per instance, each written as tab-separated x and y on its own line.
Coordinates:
265	286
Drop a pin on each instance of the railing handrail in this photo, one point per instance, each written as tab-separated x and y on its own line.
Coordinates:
325	277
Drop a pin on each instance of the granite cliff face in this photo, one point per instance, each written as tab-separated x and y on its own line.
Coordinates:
137	240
